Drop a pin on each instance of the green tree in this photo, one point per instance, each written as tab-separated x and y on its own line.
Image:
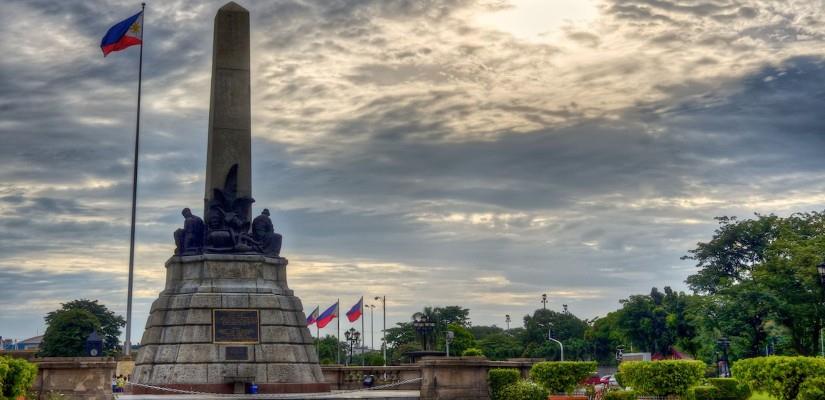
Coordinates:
500	346
109	322
327	347
67	332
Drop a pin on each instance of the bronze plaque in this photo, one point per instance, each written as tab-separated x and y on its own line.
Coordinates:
235	326
239	353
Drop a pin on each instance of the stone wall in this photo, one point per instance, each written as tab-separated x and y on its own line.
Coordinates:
461	378
76	378
346	378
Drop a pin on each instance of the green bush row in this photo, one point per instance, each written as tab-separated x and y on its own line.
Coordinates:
16	377
812	389
618	394
500	378
661	378
524	390
563	376
779	376
730	389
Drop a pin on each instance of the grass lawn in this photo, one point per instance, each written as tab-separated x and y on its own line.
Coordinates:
761	396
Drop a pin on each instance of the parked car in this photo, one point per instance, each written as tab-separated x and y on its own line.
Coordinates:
609	381
591	380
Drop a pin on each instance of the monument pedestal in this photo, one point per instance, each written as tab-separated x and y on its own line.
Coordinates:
225	320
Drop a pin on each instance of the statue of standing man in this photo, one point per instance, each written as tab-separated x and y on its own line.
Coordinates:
264	233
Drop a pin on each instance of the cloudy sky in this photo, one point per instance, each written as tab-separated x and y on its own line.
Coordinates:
472	152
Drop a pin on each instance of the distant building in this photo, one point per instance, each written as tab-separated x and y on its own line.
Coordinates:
32	343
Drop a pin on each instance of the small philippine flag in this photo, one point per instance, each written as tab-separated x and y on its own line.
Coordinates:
355	312
126	33
327	316
313	316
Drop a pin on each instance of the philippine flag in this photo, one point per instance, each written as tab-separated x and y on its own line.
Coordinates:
355	312
128	32
312	317
327	316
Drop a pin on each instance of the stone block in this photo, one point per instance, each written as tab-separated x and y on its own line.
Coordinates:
161	303
256	371
162	373
171	334
151	335
216	372
199	316
145	354
174	317
273	317
198	353
179	301
166	353
275	334
206	300
263	301
235	301
189	373
279	353
196	334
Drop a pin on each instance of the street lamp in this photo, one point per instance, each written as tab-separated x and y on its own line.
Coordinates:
383	300
564	306
422	324
448	340
544	301
724	344
352	337
619	353
372	326
507	321
550	336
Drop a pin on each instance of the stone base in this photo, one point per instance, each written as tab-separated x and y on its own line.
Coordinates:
179	350
74	378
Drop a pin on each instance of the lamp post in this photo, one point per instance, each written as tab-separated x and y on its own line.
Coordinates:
507	321
422	324
724	344
383	300
544	301
372	326
352	337
821	269
448	340
564	306
619	353
550	336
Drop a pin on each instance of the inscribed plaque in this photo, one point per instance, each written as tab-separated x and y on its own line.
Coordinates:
235	326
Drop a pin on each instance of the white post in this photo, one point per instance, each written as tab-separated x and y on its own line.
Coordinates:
550	336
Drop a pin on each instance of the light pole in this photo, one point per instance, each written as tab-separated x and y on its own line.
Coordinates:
821	269
550	336
507	321
564	306
450	337
422	324
352	337
619	353
383	300
372	326
724	343
544	301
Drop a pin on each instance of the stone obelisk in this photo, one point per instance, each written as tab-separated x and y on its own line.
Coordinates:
226	318
230	112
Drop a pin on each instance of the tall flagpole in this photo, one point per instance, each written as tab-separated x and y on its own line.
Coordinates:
127	345
338	338
363	333
318	336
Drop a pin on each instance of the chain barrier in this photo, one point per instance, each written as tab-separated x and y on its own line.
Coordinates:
275	396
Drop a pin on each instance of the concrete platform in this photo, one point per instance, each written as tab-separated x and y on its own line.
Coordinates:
341	395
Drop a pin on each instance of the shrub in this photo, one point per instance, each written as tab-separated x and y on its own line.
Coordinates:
524	390
501	377
779	376
662	378
706	392
617	394
812	389
730	389
16	377
561	376
472	352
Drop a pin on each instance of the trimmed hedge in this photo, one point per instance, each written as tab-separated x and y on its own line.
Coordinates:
16	377
561	376
524	390
730	389
472	352
779	376
662	378
705	392
618	394
500	378
812	389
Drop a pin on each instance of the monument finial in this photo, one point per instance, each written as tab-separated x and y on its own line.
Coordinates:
233	7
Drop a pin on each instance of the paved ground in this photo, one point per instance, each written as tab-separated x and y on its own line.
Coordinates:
367	394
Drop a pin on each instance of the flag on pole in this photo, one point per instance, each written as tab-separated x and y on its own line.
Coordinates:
327	316
355	312
313	316
126	33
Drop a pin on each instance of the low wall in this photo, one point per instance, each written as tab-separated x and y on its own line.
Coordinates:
76	378
461	378
344	378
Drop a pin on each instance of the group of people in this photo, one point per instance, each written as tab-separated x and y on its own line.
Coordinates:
119	383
